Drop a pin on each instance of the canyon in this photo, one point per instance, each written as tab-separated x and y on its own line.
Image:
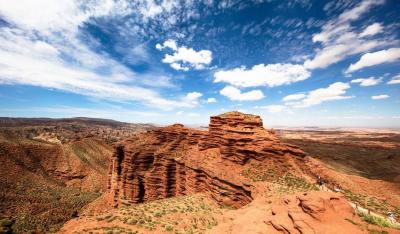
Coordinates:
98	176
234	177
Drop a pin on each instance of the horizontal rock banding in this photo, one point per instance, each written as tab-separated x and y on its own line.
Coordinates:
175	160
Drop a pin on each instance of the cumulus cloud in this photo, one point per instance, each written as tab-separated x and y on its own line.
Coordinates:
375	58
211	100
294	97
167	44
263	75
192	98
177	66
333	92
370	81
395	80
340	40
235	94
184	58
379	97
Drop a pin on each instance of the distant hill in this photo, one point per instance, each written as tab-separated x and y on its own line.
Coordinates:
20	122
71	129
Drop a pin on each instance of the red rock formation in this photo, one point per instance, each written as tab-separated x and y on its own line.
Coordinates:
175	160
241	137
314	212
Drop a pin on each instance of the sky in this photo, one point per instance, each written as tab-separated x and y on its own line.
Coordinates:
294	63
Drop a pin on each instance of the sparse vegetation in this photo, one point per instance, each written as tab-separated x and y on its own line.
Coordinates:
285	182
370	203
369	162
45	209
256	172
373	231
376	220
163	215
290	183
6	226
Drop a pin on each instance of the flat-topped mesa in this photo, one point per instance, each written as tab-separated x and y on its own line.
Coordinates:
241	137
235	120
176	160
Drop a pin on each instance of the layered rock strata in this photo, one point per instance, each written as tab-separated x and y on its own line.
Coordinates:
175	160
241	137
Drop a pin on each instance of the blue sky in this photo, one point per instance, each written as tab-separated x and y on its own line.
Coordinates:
295	63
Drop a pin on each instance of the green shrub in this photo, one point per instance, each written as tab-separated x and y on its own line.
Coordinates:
169	228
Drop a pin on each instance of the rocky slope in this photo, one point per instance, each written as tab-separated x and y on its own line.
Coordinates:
319	212
45	181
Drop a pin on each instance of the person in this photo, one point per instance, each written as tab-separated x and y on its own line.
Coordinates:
320	181
337	189
392	217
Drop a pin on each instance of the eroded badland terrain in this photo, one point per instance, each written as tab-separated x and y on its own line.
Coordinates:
98	176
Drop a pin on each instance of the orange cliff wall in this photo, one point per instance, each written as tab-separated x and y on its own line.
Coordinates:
175	160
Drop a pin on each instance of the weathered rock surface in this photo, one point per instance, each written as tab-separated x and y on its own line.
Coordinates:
175	160
314	212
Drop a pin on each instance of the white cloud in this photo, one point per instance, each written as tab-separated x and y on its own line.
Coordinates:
274	108
371	30
379	97
190	56
192	98
178	67
263	75
370	81
42	47
375	58
136	55
339	39
294	97
211	100
151	9
53	15
395	80
184	58
235	94
168	44
333	92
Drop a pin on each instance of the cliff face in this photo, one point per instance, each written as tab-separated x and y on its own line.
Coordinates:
175	160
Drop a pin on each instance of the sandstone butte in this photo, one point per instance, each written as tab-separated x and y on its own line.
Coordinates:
175	161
